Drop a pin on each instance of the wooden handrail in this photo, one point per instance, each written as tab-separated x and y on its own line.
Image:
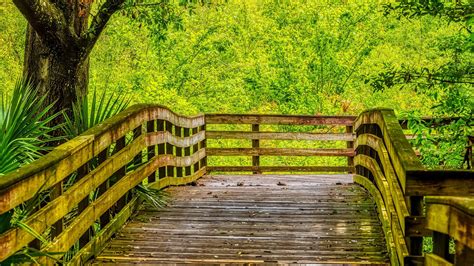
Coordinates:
151	145
108	160
327	129
451	217
387	166
262	119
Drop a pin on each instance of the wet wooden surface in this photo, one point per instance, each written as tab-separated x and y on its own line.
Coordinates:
255	218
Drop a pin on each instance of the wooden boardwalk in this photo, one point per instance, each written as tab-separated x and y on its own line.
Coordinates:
254	219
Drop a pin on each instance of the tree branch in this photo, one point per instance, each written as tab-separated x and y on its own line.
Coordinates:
47	20
106	10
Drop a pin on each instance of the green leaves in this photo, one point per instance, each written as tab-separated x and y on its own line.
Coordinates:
24	126
156	198
87	112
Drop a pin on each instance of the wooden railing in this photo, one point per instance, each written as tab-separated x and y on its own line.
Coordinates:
324	129
88	183
387	166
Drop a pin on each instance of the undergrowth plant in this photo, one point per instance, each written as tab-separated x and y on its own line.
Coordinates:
24	126
26	134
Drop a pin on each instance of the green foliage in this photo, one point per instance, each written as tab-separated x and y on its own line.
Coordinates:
305	57
24	127
87	113
441	145
457	11
449	84
154	197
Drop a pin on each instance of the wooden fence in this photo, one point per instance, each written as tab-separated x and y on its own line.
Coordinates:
89	185
387	166
337	128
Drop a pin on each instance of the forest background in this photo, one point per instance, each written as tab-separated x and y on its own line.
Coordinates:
290	57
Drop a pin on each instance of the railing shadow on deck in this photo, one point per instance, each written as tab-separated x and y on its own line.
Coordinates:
387	166
90	180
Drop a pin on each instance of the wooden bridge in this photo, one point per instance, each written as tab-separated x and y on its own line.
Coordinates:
365	200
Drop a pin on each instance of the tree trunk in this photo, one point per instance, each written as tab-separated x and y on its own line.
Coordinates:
61	71
62	76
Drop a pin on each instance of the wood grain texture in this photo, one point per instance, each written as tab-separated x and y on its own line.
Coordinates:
255	218
431	259
279	135
440	183
15	238
22	184
384	217
453	216
396	194
263	119
328	169
278	152
401	153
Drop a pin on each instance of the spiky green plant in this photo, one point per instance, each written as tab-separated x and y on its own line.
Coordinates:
25	127
25	134
156	198
88	113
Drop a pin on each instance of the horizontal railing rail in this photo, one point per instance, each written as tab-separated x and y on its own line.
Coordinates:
387	166
450	217
265	138
89	186
88	183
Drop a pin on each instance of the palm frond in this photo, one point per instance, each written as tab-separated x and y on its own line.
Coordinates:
25	127
29	255
158	199
87	113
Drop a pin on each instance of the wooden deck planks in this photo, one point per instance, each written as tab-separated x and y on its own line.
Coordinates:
254	219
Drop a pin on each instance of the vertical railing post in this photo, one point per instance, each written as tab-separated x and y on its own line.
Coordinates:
85	238
195	149
350	145
441	245
203	145
160	127
104	218
187	152
150	128
137	132
179	150
169	149
415	243
256	145
57	227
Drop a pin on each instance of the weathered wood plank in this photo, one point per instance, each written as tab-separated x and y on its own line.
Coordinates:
95	246
278	119
279	135
401	153
279	168
199	225
166	137
431	259
104	202
440	182
383	216
174	181
21	185
452	216
16	238
278	152
383	188
396	192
